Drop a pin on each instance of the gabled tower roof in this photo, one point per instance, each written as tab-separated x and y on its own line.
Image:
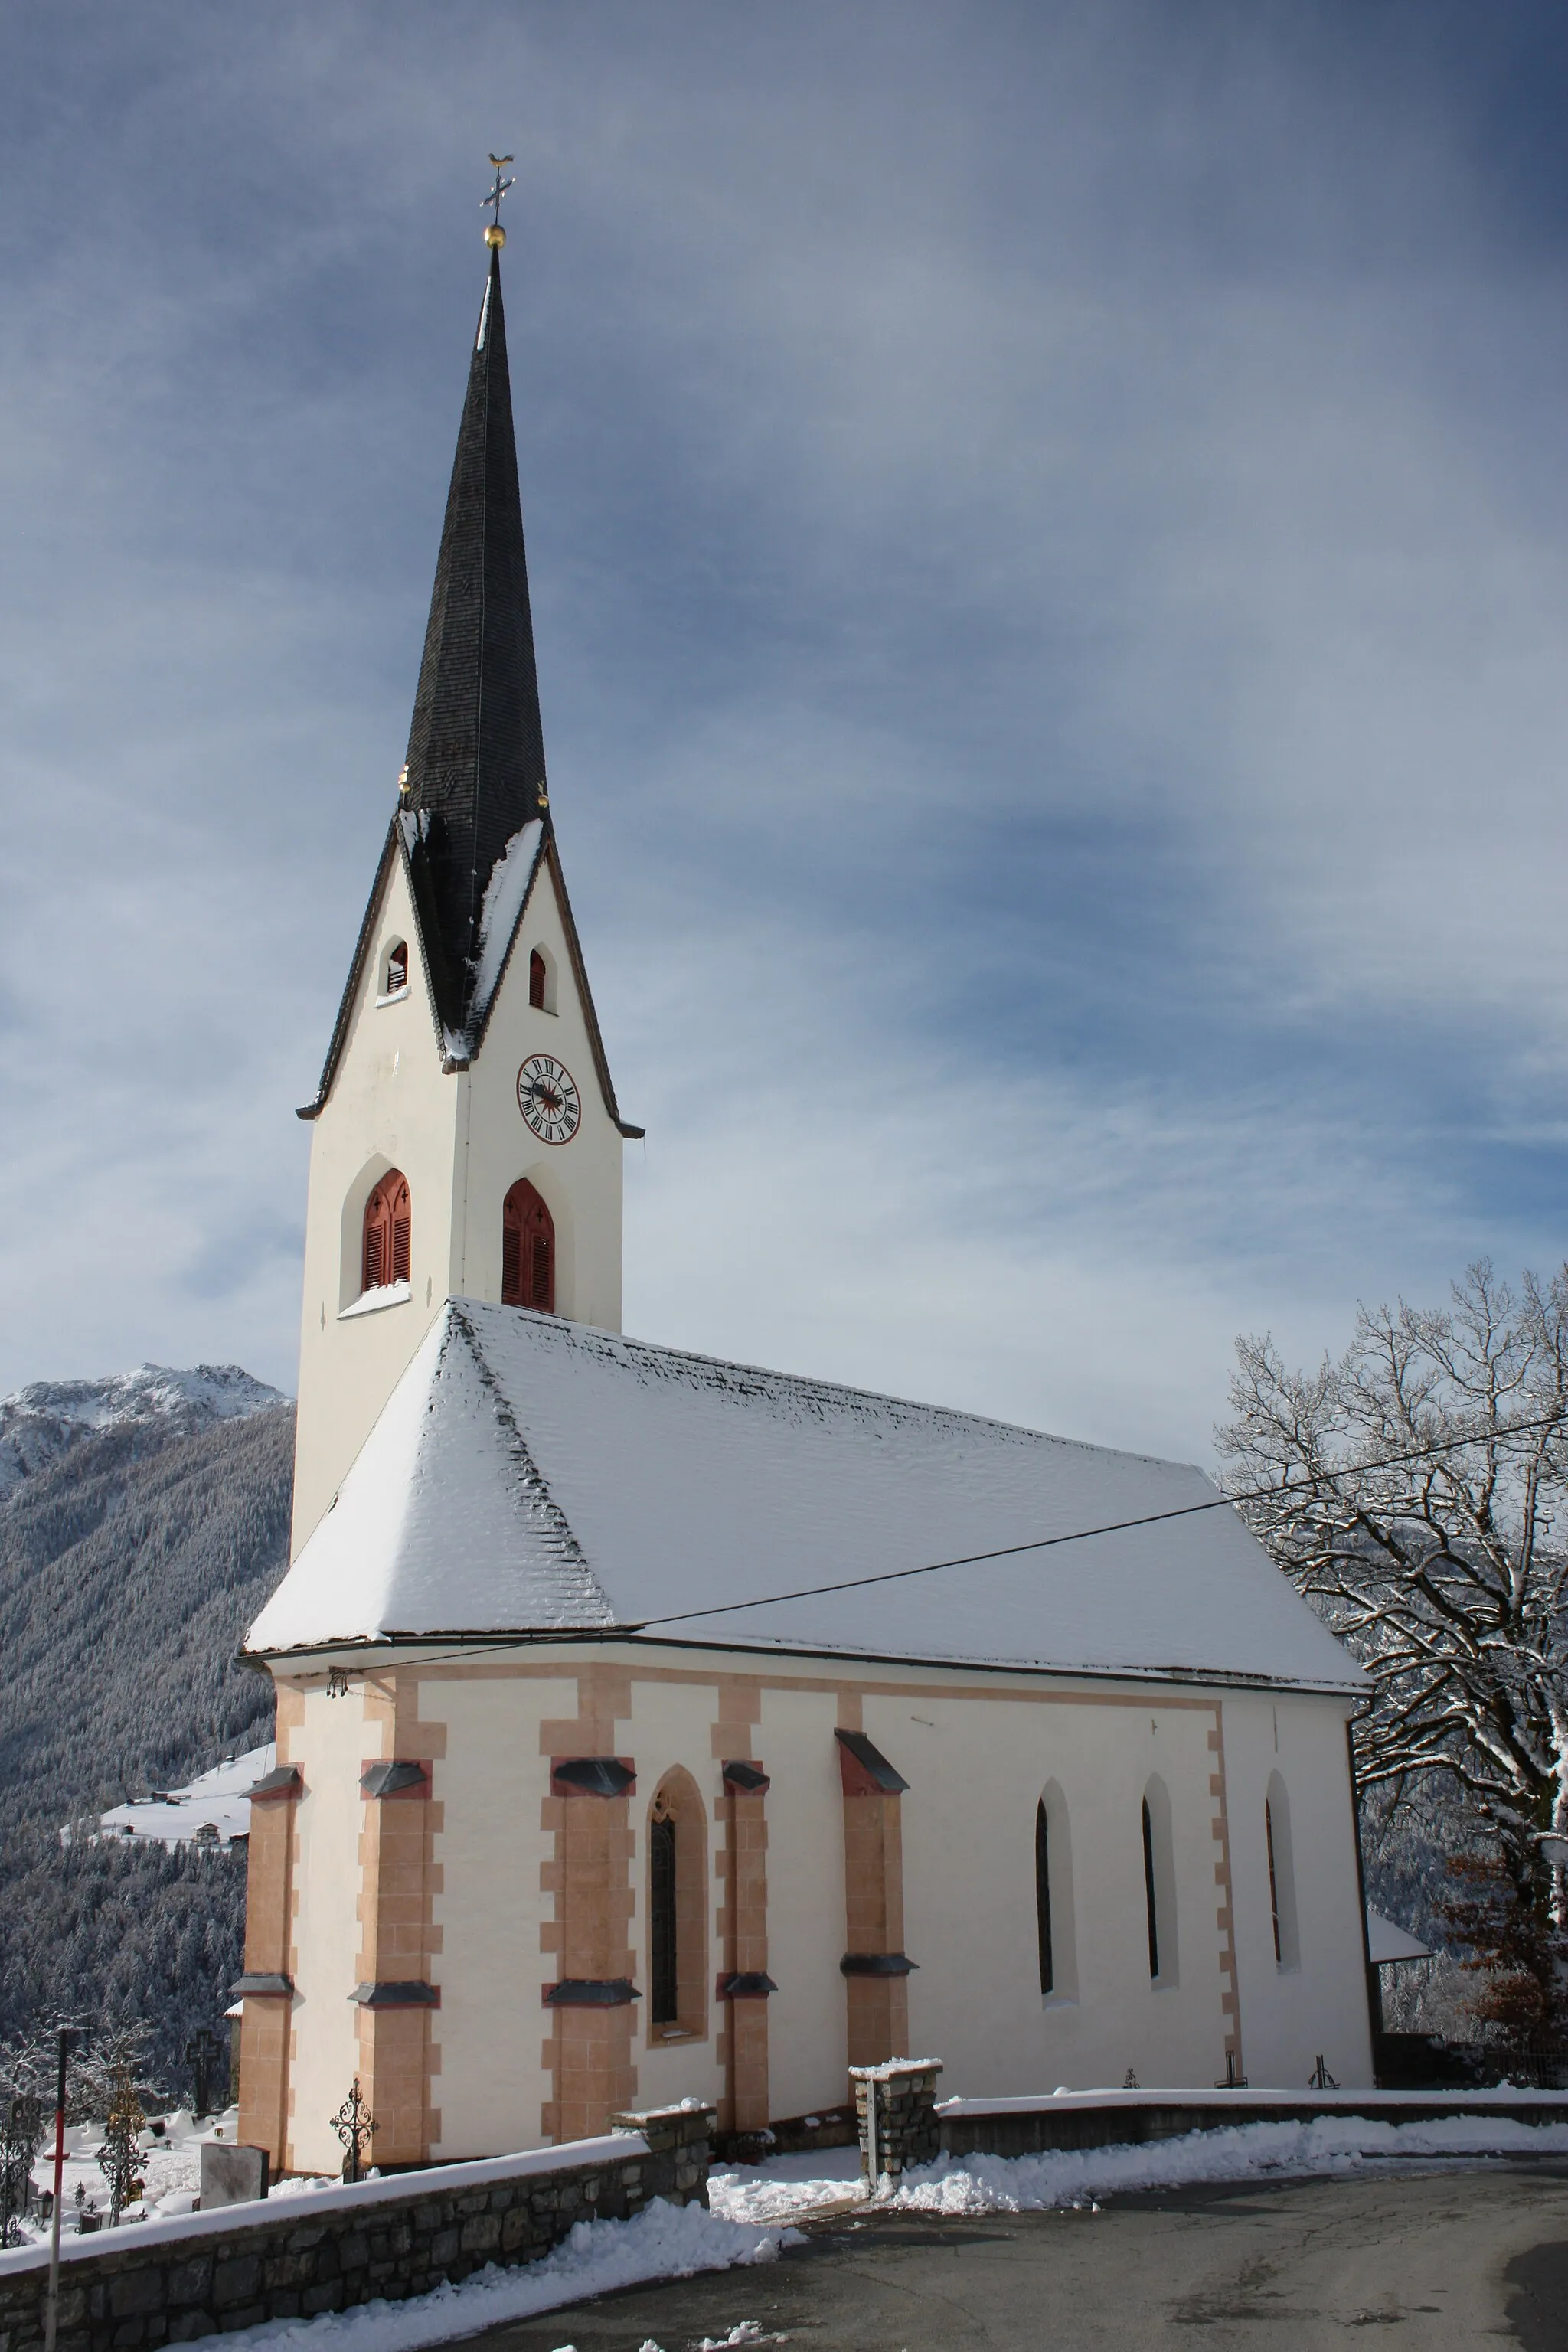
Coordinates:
476	749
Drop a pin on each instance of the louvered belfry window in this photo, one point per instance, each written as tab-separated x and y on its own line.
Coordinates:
527	1251
387	1232
536	980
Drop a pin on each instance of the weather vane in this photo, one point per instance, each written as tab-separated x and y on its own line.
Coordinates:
495	234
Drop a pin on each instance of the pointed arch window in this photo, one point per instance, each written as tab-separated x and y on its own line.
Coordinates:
677	1954
663	1934
388	1228
527	1250
536	980
1160	1883
1043	1896
1281	1877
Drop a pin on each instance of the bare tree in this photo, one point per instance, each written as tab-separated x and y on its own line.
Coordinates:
1414	1492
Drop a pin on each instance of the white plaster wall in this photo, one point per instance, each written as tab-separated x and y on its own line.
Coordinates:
976	1761
390	1106
461	1141
1290	2015
330	1748
490	2027
807	2047
976	1770
581	1181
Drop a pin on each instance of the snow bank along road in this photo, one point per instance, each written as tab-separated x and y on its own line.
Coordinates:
1464	2255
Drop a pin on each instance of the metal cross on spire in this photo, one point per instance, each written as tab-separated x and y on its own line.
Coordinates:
495	234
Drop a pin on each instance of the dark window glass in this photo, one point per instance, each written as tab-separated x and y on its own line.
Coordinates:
1273	1882
1149	1890
536	980
1043	1894
661	1923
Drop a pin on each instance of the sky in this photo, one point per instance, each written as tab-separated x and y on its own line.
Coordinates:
1048	533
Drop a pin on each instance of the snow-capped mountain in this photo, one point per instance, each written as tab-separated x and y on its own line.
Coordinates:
39	1421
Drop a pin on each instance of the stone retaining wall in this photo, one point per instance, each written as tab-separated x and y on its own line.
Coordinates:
1116	2119
133	2289
911	2128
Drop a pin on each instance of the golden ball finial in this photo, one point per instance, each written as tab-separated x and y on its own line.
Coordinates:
495	235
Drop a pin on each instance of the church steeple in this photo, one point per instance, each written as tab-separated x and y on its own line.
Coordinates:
475	772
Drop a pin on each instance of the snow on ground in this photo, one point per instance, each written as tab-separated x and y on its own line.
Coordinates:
751	2206
210	1809
788	2187
170	2167
662	2241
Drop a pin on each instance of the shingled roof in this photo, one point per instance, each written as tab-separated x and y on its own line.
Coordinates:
531	1476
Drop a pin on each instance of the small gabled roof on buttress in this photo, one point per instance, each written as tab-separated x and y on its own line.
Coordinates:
534	1476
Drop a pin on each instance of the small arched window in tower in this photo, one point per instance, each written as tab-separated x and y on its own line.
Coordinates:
394	969
536	978
387	1230
527	1251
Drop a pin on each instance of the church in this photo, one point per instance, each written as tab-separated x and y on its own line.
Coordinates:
632	1744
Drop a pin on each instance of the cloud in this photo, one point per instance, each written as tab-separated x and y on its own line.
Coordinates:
1048	540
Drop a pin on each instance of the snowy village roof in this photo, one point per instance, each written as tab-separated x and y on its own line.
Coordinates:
529	1474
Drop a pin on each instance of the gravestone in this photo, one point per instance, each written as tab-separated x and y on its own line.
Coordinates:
231	2175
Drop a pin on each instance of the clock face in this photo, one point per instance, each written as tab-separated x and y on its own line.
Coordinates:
548	1098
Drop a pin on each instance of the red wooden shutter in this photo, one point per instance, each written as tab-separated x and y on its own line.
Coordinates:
388	1233
528	1251
397	969
536	980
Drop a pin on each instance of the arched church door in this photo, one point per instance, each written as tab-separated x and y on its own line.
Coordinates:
527	1251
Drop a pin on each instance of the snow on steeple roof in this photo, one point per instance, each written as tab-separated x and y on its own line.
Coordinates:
529	1474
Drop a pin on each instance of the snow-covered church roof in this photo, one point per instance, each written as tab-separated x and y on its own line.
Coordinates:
529	1474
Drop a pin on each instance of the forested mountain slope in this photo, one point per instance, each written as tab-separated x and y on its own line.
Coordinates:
143	1522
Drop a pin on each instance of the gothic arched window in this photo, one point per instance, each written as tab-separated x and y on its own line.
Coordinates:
386	1232
536	980
677	1952
1282	1876
527	1250
1160	1883
663	1932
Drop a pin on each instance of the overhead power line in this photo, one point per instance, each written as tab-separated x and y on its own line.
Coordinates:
1007	1551
1084	1534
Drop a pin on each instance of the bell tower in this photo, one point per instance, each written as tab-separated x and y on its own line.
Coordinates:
465	1139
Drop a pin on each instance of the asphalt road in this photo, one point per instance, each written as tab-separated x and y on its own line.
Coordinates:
1431	2259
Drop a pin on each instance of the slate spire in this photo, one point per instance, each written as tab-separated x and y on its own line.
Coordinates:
476	749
